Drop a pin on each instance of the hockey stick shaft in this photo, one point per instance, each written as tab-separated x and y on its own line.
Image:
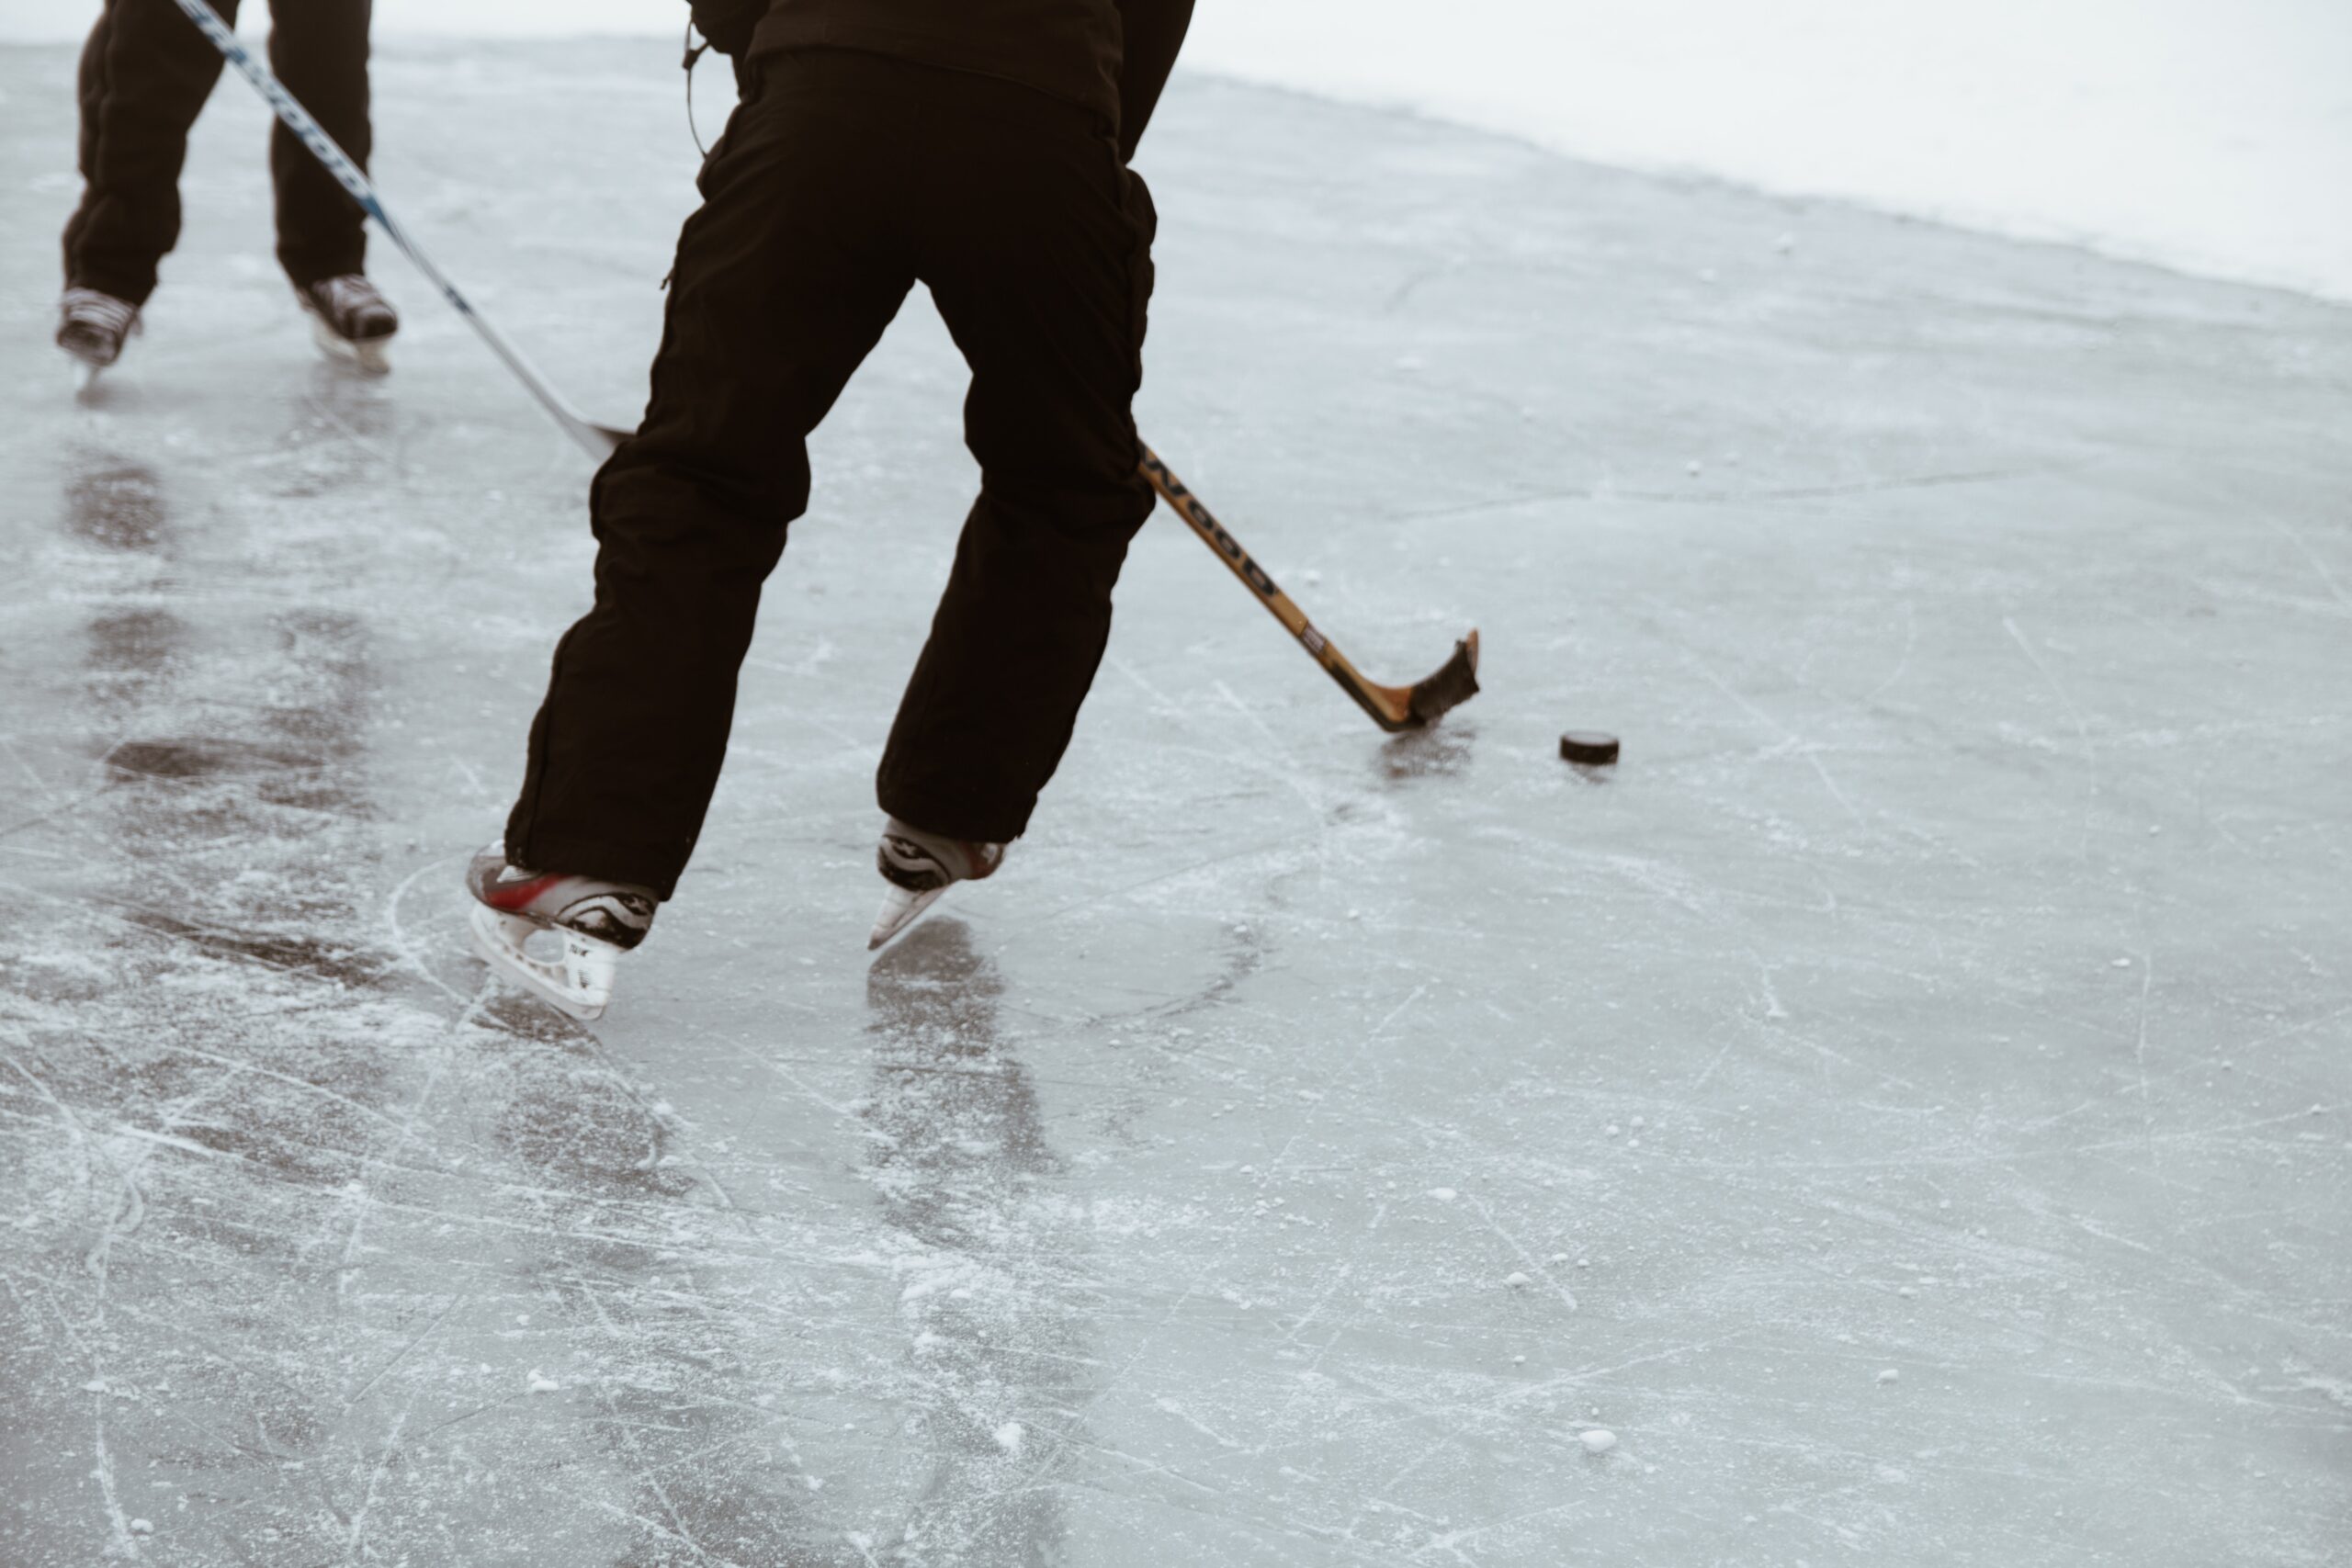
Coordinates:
1391	707
594	439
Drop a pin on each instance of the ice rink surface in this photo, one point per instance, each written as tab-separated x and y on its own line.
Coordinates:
1905	1102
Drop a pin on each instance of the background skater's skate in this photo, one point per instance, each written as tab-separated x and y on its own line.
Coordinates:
350	320
594	921
920	866
91	326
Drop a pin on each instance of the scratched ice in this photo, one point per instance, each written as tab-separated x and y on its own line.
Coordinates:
1905	1104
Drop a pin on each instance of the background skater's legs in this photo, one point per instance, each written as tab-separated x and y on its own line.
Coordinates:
145	74
318	48
1039	254
786	278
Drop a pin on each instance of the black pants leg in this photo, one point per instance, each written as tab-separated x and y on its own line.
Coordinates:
145	74
846	178
1039	253
318	48
786	278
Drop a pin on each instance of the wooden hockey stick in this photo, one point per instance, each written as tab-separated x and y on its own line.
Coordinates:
1392	707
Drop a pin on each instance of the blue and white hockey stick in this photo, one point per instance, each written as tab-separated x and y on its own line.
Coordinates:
597	440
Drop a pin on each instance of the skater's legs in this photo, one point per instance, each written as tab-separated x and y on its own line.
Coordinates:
1039	259
145	74
318	48
785	279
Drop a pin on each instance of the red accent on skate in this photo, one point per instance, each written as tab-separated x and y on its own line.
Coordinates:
513	895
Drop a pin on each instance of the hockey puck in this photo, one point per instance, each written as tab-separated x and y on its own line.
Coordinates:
1588	746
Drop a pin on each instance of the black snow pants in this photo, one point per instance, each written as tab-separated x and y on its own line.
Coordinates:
145	73
843	179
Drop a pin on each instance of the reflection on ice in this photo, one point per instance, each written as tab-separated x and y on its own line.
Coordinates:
115	504
996	1294
1441	751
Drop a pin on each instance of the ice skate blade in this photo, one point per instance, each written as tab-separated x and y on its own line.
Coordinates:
367	355
579	984
901	909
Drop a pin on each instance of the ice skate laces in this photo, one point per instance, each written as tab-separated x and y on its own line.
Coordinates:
924	862
351	305
100	312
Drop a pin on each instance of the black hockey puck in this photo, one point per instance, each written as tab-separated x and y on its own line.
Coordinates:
1588	746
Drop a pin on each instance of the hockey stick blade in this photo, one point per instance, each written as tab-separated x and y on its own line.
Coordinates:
1400	708
1455	682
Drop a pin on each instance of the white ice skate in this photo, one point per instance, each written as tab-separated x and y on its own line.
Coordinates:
579	926
92	327
351	322
919	867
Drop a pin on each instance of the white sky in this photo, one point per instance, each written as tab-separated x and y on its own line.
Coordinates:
2212	134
